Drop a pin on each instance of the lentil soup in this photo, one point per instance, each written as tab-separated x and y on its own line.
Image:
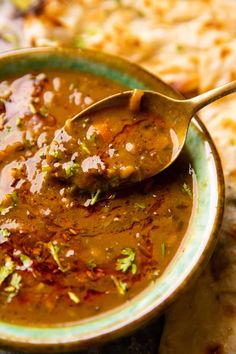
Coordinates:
65	254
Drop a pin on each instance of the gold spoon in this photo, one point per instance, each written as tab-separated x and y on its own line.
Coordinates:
177	112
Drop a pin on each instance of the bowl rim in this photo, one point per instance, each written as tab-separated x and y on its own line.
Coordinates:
71	342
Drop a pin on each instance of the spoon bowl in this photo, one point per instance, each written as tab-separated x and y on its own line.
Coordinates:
116	157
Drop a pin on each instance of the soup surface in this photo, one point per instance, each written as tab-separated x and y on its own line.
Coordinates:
67	255
113	146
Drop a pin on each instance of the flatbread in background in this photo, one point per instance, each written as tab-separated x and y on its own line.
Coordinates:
192	46
187	43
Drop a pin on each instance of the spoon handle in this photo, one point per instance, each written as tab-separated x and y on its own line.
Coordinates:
206	98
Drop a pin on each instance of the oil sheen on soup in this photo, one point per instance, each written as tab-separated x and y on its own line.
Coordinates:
66	254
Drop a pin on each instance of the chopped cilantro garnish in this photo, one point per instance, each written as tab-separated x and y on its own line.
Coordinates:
15	280
140	13
54	250
92	137
22	4
46	168
91	31
71	169
14	287
95	196
27	262
79	42
43	111
139	206
7	129
32	108
179	47
56	154
232	141
28	144
4	211
19	122
91	265
5	232
42	155
73	297
163	249
127	262
120	285
14	198
7	269
186	190
85	148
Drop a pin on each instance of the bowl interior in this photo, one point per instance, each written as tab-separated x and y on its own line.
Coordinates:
200	237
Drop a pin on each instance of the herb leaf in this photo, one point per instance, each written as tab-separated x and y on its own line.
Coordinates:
43	111
120	285
7	269
79	42
4	234
85	148
22	4
139	206
95	196
14	199
71	169
27	262
4	211
54	250
19	122
73	297
163	249
56	154
127	262
32	108
186	190
14	287
91	265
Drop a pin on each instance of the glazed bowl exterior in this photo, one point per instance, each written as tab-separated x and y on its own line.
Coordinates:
196	246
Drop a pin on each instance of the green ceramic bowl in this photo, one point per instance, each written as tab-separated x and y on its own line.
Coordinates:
196	247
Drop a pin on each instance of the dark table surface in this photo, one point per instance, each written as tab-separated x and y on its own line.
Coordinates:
143	341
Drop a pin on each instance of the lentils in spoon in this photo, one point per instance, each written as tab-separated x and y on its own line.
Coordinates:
125	138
